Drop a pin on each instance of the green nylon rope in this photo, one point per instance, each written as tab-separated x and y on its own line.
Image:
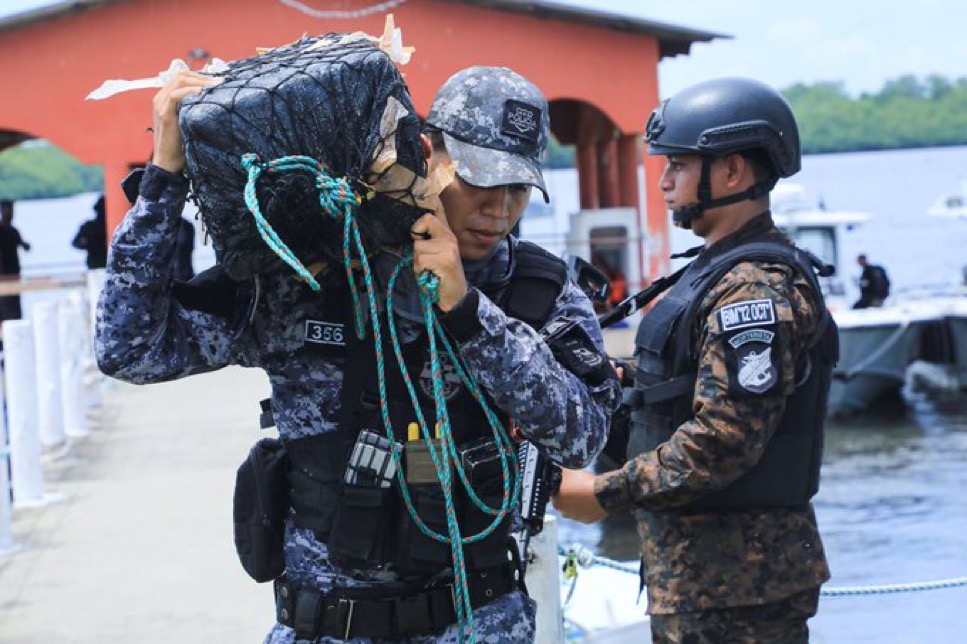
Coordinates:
338	201
505	446
428	296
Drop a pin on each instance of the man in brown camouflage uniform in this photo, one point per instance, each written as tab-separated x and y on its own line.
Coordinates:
731	380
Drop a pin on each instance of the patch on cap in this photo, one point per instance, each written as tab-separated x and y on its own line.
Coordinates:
521	121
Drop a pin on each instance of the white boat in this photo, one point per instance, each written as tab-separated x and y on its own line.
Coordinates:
953	204
918	338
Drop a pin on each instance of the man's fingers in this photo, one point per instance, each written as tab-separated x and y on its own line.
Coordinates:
193	78
181	85
429	227
169	153
180	93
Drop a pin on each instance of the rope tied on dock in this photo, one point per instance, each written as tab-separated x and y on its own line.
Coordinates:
578	555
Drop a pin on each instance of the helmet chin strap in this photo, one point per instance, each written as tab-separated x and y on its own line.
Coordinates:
685	215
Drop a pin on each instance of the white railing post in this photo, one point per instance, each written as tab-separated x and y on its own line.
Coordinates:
6	513
74	349
20	380
50	411
544	584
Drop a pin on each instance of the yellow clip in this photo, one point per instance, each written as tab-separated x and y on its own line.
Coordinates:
412	432
570	567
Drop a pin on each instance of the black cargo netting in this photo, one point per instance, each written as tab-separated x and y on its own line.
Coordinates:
326	104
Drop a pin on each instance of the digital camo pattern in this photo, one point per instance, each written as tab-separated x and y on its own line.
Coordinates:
144	335
695	561
496	126
506	620
782	622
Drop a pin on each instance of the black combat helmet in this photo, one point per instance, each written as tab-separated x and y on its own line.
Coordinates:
724	116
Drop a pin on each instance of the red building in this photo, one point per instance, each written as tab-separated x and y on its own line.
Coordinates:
598	70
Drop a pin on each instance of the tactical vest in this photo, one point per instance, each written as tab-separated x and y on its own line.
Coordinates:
382	528
787	475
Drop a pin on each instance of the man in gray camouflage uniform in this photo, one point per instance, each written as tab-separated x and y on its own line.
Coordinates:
732	375
493	125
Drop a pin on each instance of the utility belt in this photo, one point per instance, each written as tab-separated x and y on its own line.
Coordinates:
374	614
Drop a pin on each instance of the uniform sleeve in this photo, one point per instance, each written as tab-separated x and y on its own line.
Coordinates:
758	320
566	415
142	333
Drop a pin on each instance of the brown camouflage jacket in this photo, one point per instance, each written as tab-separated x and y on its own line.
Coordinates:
698	561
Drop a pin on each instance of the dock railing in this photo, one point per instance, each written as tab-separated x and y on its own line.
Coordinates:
48	370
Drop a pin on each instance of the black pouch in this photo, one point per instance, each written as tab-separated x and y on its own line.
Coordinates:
413	551
360	527
259	509
481	462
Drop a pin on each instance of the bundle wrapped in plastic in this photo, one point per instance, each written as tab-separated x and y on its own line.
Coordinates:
337	99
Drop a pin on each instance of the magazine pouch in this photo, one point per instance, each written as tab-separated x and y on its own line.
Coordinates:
361	526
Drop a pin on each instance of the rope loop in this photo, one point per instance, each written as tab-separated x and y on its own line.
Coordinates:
430	286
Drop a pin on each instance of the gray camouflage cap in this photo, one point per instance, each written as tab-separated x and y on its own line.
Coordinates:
495	126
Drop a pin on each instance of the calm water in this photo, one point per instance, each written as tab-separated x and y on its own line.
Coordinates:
892	510
891	505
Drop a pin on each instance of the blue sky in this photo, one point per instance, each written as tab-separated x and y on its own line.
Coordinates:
859	42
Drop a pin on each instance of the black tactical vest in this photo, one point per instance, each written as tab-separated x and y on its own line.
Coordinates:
788	473
318	462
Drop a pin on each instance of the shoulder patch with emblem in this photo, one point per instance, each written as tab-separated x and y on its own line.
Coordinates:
748	331
573	348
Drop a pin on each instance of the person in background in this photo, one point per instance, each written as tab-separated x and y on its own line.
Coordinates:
92	237
10	244
874	285
183	269
733	371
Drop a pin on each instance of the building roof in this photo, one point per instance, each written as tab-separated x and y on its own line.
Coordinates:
48	11
672	39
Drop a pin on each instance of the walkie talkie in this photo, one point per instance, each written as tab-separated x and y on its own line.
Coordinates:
537	477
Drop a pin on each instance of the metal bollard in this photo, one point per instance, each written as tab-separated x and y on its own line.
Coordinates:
20	380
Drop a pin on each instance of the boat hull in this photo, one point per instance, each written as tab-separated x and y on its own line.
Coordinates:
875	349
